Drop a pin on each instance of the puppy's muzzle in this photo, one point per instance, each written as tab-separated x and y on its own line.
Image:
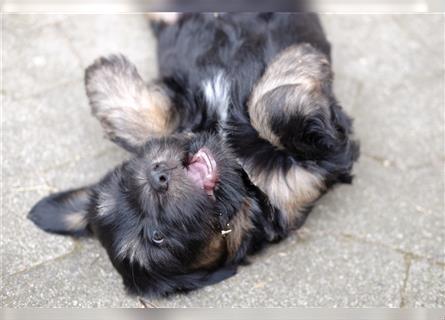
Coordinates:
160	176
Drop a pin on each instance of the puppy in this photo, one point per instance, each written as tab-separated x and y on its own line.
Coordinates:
233	144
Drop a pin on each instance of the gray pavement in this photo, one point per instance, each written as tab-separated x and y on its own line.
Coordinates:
379	242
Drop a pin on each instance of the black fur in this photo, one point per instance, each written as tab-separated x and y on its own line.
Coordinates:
53	213
125	213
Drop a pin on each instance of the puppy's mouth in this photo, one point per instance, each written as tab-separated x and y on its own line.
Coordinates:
202	170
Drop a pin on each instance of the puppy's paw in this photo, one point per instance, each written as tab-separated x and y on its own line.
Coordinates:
129	110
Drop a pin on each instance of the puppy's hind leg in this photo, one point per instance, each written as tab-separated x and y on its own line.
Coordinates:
301	139
129	110
294	108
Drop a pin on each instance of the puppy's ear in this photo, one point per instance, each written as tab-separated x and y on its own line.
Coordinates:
129	110
63	212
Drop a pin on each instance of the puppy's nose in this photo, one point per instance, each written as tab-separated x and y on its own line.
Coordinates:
160	176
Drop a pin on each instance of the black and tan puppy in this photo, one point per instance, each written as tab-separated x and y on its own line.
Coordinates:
233	144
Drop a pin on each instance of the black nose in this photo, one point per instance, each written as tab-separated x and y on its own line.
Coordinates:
160	176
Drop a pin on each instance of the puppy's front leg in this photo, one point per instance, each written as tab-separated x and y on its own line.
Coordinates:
129	110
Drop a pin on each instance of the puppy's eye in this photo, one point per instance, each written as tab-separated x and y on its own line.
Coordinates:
157	237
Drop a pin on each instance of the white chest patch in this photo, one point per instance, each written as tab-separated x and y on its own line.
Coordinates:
217	95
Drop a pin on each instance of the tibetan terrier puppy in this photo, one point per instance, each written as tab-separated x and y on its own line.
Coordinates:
233	143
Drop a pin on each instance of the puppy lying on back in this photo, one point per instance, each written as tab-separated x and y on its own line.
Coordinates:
233	144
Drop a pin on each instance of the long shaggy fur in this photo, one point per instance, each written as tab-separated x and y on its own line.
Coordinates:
254	91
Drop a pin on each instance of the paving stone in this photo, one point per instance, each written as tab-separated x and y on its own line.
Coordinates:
49	130
97	35
399	110
22	23
426	286
86	171
85	278
347	90
17	26
410	124
23	245
310	270
401	209
36	60
64	136
386	43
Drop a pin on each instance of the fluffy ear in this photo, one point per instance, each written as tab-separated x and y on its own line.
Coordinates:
63	212
129	110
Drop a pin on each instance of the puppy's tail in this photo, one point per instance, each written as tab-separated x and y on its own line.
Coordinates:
63	212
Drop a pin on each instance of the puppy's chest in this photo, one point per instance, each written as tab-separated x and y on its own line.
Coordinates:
216	90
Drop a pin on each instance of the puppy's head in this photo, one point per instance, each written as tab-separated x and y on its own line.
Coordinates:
162	215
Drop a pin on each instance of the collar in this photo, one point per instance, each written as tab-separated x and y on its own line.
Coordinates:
224	223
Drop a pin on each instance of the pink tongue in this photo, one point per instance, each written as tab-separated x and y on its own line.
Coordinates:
202	170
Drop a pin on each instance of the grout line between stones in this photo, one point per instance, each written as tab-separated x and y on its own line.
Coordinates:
60	29
43	91
75	248
146	304
357	94
413	256
66	164
41	173
308	233
408	261
389	163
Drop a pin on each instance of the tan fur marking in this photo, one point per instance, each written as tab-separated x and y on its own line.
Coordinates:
126	106
157	111
240	225
292	82
291	192
135	117
211	253
75	221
